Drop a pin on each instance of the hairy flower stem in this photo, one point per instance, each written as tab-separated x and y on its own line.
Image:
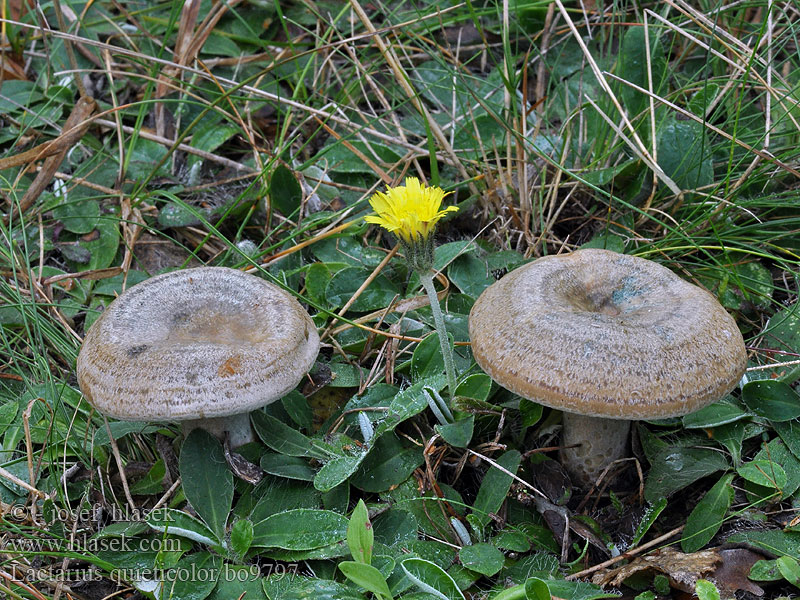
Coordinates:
426	277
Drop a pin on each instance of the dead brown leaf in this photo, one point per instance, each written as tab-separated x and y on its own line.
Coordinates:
10	68
154	254
731	575
75	126
683	570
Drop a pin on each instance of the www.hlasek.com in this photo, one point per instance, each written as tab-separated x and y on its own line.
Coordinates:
87	543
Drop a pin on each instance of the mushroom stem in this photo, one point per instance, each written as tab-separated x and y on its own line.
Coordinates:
237	427
599	442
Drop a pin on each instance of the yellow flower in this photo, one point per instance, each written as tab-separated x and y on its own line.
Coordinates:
409	212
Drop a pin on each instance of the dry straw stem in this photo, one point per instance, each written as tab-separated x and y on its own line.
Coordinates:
364	285
746	55
625	555
4	473
507	472
403	81
765	155
400	307
639	146
420	150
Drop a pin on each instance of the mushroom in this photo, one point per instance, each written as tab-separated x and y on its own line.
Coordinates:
203	346
606	338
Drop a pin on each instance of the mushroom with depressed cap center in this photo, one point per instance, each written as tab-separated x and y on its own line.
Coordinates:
607	338
203	346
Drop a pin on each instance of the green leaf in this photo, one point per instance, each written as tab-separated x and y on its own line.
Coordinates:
470	274
217	45
720	413
79	216
366	576
763	472
237	579
178	214
102	246
482	558
640	65
347	250
337	470
151	483
176	522
318	276
790	570
297	588
409	403
771	399
706	590
672	469
606	241
444	254
577	590
477	387
431	578
764	570
706	518
284	439
179	584
459	433
395	526
732	436
777	452
387	464
344	375
360	536
782	332
531	412
142	157
296	406
8	414
776	542
743	283
346	282
343	160
209	135
207	480
285	192
494	487
684	153
427	359
536	589
337	550
337	499
278	495
300	529
508	539
789	432
290	467
241	536
648	518
122	428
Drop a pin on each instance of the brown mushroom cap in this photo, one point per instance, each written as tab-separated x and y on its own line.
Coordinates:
194	344
606	335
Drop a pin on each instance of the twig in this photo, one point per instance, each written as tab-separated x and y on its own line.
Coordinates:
17	481
118	459
626	555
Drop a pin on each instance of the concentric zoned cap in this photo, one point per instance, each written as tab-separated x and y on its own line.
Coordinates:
606	335
194	344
